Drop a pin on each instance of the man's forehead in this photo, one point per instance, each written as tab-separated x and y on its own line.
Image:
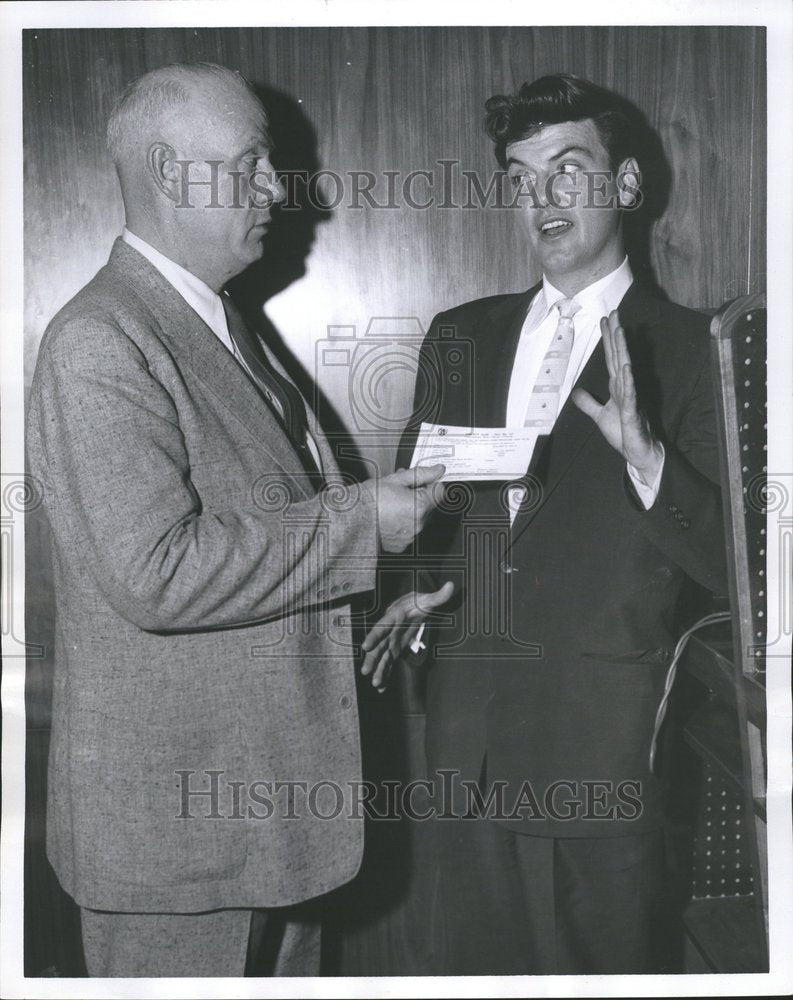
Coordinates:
551	139
217	130
227	107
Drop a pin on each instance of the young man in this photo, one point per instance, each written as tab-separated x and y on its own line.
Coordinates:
544	691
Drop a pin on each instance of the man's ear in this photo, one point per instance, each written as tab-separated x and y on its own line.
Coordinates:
629	184
165	170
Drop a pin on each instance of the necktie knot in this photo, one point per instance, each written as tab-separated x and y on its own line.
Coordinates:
567	308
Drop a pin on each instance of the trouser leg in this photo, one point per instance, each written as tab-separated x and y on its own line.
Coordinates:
165	944
609	910
480	923
510	903
283	942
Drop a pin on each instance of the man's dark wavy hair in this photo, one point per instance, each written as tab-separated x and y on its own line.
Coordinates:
551	100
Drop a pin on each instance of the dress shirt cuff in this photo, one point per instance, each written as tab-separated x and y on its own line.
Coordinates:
647	492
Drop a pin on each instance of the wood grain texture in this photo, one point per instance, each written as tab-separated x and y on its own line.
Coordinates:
401	100
387	101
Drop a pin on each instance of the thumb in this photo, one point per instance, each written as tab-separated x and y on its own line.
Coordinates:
423	475
402	477
428	601
586	403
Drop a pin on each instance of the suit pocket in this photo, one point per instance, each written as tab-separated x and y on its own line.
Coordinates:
159	811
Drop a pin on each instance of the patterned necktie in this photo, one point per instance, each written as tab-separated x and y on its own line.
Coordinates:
282	397
544	403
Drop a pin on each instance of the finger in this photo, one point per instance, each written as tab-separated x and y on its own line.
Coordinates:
427	498
402	477
608	346
383	670
426	602
619	349
619	343
587	403
377	634
430	496
631	420
371	660
423	475
628	390
437	492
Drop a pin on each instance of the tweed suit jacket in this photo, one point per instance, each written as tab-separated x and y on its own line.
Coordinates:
202	621
550	665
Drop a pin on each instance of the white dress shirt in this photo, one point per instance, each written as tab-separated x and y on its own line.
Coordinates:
596	301
209	306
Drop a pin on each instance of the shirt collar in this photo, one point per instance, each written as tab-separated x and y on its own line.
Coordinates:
193	290
599	298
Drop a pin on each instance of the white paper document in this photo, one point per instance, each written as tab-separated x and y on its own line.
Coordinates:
475	453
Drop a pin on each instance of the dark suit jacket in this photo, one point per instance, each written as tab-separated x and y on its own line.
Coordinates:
553	661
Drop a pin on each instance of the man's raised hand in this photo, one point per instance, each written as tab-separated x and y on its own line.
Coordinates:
619	419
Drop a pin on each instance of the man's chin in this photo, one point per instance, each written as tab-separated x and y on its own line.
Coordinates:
254	246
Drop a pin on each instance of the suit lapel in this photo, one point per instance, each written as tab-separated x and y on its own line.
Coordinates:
556	452
494	363
192	342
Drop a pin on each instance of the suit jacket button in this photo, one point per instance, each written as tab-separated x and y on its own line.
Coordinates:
321	592
335	589
346	586
507	568
345	701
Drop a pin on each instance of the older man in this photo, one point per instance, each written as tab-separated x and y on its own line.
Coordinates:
205	738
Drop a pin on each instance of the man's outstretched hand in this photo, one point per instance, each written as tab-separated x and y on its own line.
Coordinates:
405	500
619	419
398	627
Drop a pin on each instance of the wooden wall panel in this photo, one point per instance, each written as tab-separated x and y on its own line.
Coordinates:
401	99
381	99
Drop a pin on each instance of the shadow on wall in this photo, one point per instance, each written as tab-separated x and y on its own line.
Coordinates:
656	187
360	914
289	241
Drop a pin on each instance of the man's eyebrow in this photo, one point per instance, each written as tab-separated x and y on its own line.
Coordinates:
571	149
556	156
256	143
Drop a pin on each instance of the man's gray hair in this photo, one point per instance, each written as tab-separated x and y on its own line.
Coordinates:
148	97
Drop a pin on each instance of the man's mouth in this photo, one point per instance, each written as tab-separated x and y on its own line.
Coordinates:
555	227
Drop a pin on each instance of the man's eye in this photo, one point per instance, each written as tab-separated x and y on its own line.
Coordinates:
520	180
569	168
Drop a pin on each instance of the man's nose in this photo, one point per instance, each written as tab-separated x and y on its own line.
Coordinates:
540	193
277	189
